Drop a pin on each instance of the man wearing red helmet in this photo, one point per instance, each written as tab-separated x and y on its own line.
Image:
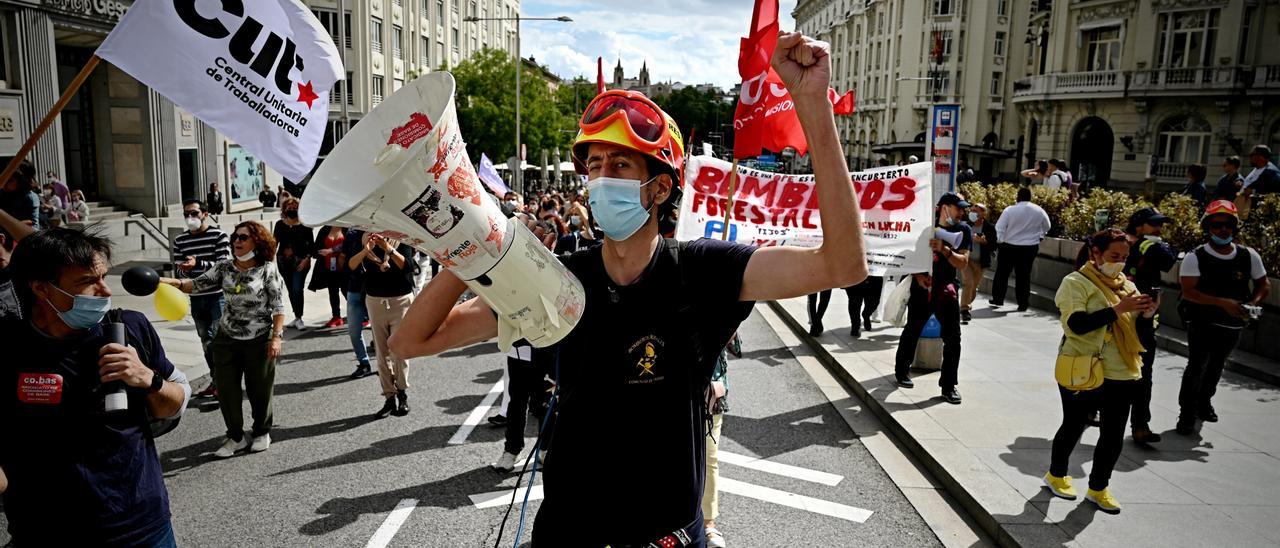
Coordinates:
1215	294
633	373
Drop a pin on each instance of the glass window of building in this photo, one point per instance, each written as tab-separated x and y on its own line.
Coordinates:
1183	140
943	7
376	92
375	35
397	41
1102	49
999	44
1186	38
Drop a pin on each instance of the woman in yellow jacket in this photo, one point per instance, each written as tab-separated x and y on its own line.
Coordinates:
1098	307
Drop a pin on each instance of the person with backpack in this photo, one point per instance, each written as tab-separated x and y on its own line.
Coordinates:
1217	304
1149	258
633	373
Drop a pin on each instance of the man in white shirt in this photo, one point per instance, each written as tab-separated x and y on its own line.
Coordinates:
1019	231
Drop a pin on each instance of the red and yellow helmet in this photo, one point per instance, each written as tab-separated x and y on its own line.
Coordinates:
631	120
1220	207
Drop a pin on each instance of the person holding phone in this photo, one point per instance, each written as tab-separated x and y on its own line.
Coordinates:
1149	257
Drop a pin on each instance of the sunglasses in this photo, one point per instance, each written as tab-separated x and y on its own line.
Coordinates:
644	120
241	237
194	213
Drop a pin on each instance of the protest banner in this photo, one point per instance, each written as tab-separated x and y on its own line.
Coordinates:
777	209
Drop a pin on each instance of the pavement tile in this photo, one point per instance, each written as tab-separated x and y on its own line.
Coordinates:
1260	519
1138	524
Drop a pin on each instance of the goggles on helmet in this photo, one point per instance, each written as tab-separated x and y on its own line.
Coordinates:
645	123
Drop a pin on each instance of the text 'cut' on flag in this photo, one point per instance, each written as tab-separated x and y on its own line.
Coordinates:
258	71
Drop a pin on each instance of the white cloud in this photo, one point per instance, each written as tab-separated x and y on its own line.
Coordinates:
689	41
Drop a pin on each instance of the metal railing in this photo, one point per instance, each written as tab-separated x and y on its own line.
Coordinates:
147	230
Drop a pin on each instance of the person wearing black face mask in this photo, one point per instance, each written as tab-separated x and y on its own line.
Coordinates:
294	255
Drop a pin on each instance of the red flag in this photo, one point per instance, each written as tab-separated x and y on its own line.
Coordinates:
843	105
765	117
599	75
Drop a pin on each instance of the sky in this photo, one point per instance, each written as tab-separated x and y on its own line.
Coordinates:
688	41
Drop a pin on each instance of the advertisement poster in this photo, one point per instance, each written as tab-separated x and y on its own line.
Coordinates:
944	138
245	178
777	209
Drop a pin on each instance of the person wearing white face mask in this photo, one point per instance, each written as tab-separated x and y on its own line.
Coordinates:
1099	308
249	336
578	238
984	248
194	253
77	210
633	372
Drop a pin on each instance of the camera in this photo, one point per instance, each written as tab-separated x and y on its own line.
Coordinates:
1254	312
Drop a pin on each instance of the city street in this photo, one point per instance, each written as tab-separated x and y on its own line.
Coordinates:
334	476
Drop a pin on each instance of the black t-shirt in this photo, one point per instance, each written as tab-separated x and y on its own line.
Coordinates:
76	475
631	415
10	306
943	272
294	243
1147	259
395	281
351	245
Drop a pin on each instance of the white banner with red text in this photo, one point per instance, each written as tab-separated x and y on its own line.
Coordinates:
778	209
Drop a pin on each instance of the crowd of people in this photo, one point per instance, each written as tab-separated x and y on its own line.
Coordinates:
646	366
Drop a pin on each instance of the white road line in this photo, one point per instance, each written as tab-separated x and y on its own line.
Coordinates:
801	502
392	524
779	469
476	415
495	499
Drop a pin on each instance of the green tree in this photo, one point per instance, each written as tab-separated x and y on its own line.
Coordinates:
487	108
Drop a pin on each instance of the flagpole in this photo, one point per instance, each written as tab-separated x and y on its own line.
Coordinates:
733	189
49	118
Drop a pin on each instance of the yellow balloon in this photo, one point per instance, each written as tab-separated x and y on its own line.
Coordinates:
171	304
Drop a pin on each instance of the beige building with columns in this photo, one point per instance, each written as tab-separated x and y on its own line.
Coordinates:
1108	84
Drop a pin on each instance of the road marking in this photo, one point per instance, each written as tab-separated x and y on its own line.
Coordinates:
392	524
476	415
779	469
792	500
495	499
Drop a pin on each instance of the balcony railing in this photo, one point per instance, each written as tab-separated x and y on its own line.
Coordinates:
1095	82
1172	170
1266	77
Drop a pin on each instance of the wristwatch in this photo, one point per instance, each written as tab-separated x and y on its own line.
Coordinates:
157	382
277	335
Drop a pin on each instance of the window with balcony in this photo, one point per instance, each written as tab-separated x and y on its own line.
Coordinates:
375	35
939	82
999	44
440	11
456	8
1102	49
940	50
335	94
1002	7
1187	38
329	20
424	55
376	90
1183	140
396	84
397	42
997	84
944	7
457	42
426	9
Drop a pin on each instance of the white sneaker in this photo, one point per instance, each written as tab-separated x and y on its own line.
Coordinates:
714	538
506	463
260	443
230	447
298	324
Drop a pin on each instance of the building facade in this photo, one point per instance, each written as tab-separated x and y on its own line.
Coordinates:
1128	92
1116	86
121	142
901	56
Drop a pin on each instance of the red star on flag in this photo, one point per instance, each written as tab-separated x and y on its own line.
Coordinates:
307	94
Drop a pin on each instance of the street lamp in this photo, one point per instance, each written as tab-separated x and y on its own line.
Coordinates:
519	175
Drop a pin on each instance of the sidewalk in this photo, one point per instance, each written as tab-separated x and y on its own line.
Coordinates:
182	344
1215	488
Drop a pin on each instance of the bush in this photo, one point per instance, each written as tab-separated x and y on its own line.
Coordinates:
1073	220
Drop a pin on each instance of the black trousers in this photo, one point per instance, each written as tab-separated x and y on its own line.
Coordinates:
1018	260
818	305
1113	399
945	304
1208	347
864	298
525	378
1141	416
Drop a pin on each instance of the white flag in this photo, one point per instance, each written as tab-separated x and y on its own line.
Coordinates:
258	71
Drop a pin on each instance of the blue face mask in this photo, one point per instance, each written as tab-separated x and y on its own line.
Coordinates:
617	206
86	310
1221	241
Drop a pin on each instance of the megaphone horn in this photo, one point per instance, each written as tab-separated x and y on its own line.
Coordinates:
952	239
404	172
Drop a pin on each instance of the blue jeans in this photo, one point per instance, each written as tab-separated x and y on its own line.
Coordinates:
206	312
357	314
161	538
296	283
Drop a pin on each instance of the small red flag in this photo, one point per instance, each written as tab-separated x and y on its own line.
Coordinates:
599	75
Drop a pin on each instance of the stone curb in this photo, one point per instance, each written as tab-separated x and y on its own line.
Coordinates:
975	509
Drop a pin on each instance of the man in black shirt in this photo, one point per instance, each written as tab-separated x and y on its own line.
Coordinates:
937	294
633	372
80	476
1149	256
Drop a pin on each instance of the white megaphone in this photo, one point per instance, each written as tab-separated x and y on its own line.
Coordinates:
404	172
952	239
